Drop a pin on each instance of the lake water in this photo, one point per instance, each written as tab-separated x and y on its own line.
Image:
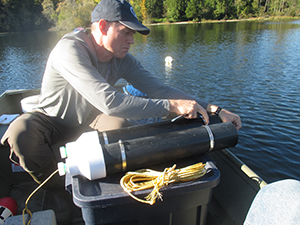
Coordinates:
250	68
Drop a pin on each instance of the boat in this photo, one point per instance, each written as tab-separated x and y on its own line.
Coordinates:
229	203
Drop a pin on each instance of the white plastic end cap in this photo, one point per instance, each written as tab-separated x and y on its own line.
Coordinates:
61	168
63	152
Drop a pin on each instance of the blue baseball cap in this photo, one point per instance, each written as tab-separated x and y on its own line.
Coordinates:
121	11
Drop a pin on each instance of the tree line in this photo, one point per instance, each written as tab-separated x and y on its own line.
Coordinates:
24	15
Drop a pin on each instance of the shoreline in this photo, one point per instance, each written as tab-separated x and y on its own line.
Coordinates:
267	18
261	19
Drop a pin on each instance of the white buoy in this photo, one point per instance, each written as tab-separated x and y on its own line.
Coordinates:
168	61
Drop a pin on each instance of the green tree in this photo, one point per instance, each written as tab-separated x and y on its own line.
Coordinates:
74	13
257	10
136	5
155	8
49	11
209	7
293	7
244	8
144	10
20	15
225	9
176	9
194	10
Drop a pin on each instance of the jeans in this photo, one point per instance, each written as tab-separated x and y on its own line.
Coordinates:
276	203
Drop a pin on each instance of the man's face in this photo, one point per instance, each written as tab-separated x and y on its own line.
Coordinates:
118	39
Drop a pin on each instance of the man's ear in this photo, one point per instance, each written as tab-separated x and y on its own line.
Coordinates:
103	26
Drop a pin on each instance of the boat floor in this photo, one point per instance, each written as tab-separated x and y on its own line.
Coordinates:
37	202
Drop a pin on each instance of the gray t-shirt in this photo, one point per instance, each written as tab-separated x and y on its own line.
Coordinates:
75	83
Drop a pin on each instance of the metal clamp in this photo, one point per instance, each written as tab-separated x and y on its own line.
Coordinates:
105	138
123	155
211	137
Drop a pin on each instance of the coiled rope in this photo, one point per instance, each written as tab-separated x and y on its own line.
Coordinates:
146	179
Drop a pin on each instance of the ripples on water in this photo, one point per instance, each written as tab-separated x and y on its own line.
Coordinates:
250	68
23	57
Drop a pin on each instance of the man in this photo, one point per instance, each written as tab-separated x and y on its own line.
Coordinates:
77	91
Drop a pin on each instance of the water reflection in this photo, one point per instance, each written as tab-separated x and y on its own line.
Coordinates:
23	57
168	68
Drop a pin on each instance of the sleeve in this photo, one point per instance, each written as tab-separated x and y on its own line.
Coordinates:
75	63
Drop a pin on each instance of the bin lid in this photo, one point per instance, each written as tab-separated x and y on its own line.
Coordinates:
108	192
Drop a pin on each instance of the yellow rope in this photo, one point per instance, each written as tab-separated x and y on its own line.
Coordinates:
146	179
26	202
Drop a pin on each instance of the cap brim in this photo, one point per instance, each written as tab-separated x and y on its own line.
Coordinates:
137	26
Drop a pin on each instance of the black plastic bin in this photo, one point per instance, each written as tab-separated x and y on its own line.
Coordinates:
103	201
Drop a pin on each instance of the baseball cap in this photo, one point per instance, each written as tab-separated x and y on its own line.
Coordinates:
118	10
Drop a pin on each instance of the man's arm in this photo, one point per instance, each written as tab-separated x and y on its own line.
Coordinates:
190	108
179	102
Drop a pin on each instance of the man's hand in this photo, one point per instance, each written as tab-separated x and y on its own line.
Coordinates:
227	116
188	108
